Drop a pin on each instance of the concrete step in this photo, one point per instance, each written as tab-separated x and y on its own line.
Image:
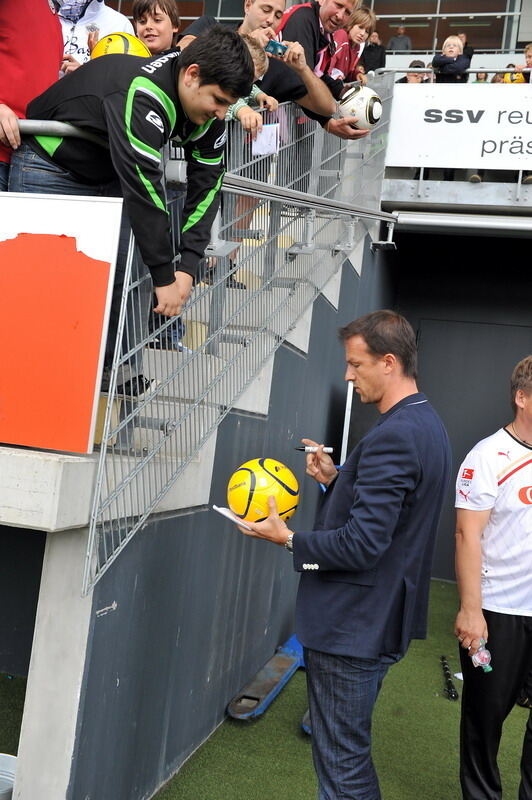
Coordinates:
237	307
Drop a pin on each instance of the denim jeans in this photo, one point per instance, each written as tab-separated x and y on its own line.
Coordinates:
342	691
34	175
4	175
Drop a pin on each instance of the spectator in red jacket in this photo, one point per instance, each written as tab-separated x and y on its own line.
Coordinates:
21	79
350	44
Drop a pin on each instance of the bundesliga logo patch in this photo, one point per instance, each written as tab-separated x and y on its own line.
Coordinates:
467	474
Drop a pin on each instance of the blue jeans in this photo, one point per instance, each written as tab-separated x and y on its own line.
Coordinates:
4	175
34	175
342	691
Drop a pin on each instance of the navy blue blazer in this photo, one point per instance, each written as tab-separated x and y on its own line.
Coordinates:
366	566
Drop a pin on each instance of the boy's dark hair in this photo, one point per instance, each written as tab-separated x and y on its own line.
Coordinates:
386	332
142	7
223	58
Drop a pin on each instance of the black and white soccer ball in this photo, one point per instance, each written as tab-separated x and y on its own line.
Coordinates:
363	103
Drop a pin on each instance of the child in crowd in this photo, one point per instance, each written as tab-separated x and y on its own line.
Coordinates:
526	68
481	77
251	120
451	65
156	24
350	44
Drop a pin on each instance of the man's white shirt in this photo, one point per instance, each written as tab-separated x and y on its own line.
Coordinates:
497	475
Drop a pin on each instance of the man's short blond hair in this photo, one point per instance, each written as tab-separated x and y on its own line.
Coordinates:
521	380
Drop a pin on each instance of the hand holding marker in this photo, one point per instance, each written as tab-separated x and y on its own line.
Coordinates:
309	449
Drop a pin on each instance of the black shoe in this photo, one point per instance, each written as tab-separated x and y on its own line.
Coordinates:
231	282
137	387
524	701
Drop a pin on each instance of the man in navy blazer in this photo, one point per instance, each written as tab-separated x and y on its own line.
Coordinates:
363	593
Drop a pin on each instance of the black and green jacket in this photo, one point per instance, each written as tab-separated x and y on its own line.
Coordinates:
133	105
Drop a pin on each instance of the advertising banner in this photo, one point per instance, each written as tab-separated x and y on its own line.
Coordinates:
468	125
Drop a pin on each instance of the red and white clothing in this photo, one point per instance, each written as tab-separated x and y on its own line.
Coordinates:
344	61
497	475
24	76
301	23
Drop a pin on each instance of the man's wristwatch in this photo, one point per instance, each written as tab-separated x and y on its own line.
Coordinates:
289	543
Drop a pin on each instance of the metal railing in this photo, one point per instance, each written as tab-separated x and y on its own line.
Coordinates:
284	229
287	222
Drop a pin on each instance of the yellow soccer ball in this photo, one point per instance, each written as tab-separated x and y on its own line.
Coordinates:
252	483
123	43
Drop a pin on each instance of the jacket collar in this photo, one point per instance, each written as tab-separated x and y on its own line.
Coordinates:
411	400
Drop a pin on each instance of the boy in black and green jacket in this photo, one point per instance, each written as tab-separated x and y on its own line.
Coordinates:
134	106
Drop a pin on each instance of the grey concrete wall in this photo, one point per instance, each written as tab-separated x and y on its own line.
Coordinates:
470	301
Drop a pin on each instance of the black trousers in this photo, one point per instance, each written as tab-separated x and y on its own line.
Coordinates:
487	699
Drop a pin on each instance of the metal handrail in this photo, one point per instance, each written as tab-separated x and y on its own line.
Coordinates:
40	127
266	191
455	15
429	70
232	182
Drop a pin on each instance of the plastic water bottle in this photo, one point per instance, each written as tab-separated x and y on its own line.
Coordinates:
482	657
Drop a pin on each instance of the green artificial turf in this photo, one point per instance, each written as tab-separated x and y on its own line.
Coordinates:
415	735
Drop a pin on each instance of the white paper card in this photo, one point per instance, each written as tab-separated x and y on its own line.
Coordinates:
226	512
267	141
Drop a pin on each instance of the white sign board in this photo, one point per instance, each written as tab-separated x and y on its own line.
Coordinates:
468	125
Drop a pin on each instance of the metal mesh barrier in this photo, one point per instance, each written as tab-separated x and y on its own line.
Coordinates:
172	381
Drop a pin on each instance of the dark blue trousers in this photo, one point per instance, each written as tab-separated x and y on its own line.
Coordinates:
342	691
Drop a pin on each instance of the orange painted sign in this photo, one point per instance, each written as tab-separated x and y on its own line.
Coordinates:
53	315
